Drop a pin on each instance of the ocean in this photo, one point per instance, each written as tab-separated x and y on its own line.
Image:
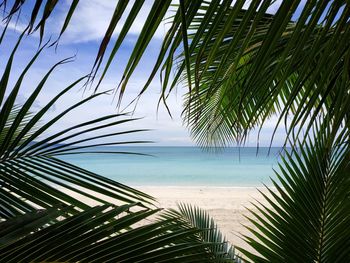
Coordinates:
184	166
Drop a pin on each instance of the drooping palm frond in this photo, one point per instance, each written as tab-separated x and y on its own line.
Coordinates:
308	217
198	218
37	8
242	63
14	111
248	66
102	234
31	174
45	10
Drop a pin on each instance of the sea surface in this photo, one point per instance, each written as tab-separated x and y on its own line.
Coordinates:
184	166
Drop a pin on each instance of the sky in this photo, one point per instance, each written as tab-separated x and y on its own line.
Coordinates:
82	40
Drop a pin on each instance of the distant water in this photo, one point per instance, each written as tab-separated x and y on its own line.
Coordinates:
183	166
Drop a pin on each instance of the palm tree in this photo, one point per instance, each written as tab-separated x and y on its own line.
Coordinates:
242	65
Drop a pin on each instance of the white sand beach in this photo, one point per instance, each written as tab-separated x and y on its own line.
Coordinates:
225	204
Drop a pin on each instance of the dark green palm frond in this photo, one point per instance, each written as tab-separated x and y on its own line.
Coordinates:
262	65
31	174
209	233
14	111
308	217
245	64
37	8
102	234
40	11
18	227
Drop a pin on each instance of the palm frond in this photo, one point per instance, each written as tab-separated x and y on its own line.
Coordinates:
308	217
37	8
247	66
198	218
241	64
18	227
103	234
13	113
31	174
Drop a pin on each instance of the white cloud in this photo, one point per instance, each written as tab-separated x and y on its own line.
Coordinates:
18	27
91	19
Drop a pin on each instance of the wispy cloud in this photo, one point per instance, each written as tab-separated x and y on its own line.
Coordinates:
91	19
18	27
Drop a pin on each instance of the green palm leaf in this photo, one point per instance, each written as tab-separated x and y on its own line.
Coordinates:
103	234
261	65
308	217
197	218
31	174
245	64
42	215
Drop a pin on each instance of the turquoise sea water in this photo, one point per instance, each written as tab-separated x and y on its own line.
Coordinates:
184	166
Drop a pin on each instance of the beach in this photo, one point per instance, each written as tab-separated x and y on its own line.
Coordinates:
223	184
227	205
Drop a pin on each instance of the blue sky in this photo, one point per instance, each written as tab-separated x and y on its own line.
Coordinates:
82	39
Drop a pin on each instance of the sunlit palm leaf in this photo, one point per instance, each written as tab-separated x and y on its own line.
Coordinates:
308	216
200	219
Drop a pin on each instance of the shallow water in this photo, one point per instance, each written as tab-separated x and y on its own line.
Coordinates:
183	166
